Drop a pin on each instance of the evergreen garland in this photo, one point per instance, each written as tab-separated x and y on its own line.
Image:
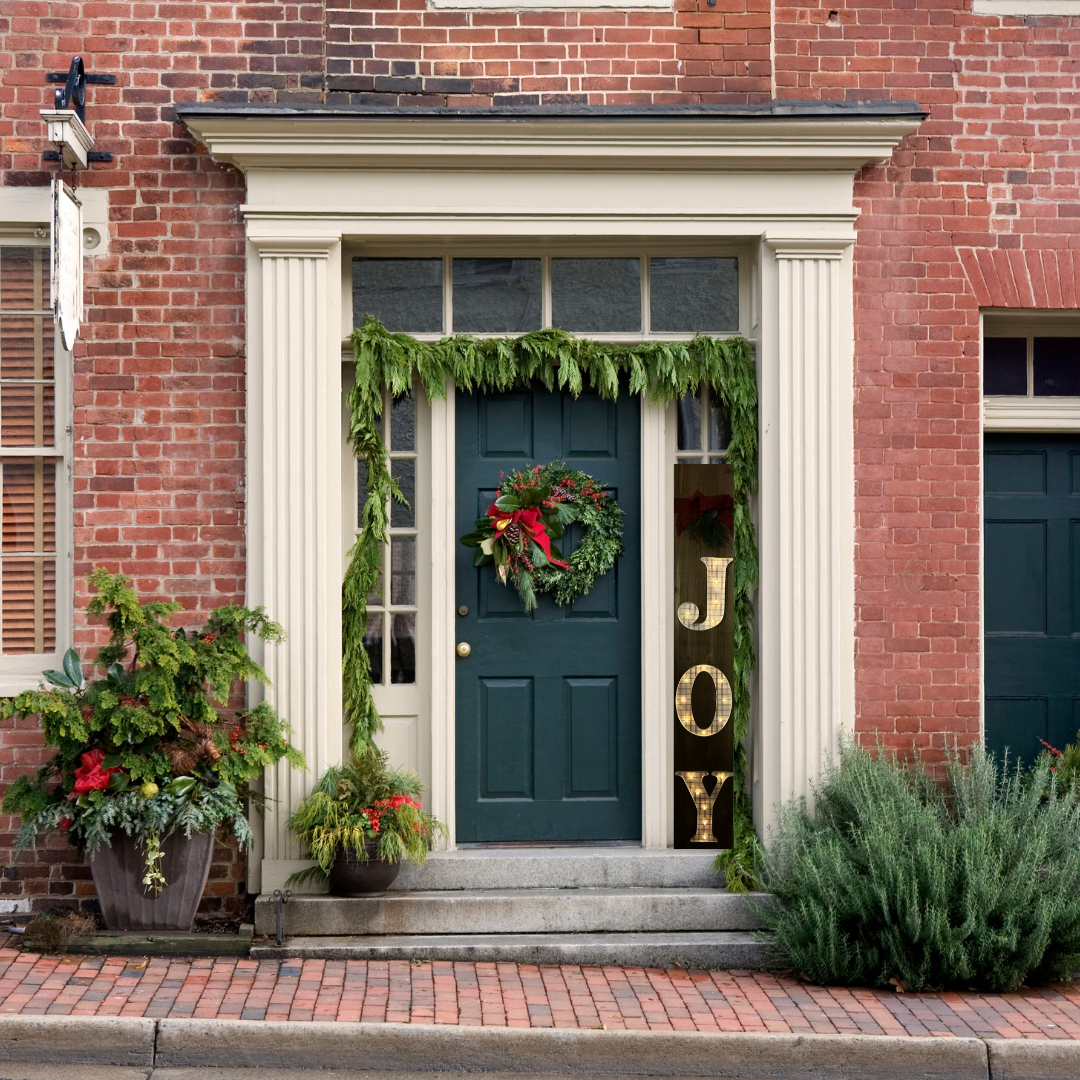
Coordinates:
662	371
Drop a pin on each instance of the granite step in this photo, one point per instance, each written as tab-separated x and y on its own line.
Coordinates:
514	911
703	950
561	867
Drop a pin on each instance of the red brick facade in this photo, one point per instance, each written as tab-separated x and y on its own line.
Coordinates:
980	207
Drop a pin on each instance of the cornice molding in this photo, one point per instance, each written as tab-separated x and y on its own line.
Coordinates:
582	143
293	247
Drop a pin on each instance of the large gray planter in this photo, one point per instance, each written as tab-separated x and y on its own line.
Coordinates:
118	872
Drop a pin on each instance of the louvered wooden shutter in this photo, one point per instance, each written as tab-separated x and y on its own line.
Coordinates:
27	420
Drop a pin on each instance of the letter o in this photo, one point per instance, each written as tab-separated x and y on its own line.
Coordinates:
685	712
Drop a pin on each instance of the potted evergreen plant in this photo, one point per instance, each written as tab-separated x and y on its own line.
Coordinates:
360	820
150	759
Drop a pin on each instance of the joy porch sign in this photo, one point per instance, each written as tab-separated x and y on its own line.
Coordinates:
704	656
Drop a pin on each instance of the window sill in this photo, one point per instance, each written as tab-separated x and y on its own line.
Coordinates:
563	5
1022	8
1031	414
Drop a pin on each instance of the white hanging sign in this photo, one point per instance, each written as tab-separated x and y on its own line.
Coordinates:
67	263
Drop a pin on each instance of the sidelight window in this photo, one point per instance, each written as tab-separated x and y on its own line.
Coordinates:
392	608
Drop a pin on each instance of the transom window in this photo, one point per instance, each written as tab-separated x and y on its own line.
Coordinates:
1044	362
31	454
639	296
390	640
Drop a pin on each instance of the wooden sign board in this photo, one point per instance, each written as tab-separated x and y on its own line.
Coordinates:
704	656
67	265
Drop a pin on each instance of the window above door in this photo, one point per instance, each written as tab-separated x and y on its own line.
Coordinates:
615	297
1031	371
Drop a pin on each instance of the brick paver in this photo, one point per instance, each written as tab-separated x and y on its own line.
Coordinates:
514	995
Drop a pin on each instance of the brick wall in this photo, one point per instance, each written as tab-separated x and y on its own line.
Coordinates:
979	206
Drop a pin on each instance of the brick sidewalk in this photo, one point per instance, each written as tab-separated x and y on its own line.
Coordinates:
514	995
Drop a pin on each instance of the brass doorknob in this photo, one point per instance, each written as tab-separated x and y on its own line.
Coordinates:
464	648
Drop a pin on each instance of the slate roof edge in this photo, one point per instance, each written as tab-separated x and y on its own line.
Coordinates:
777	109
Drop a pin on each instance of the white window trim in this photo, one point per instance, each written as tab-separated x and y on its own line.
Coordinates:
1022	8
23	671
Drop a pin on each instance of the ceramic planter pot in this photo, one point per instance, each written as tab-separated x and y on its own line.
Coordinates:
351	877
118	872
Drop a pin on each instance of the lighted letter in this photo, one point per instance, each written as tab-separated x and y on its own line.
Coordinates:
685	688
715	596
704	801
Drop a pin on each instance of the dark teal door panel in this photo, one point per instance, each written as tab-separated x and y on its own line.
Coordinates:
1032	592
548	710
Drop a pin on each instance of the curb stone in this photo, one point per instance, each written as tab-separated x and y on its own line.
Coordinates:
233	1047
566	1052
82	1040
1034	1059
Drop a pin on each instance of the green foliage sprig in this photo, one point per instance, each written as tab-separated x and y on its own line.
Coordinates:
661	371
360	801
896	879
150	748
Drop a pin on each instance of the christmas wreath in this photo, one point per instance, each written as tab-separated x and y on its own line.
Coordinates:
533	509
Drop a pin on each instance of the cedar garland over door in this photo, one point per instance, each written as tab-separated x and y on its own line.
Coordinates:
548	701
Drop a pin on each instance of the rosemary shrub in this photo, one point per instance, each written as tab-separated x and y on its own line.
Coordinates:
150	748
359	801
973	883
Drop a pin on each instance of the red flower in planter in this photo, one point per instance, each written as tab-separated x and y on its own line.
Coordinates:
399	800
90	776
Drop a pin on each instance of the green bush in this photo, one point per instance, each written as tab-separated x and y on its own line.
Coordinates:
972	883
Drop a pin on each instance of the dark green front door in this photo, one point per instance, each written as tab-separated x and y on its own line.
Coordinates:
1031	487
548	702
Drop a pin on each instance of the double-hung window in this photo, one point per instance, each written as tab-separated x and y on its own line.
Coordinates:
34	589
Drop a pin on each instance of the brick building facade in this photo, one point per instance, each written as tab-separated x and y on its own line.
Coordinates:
978	209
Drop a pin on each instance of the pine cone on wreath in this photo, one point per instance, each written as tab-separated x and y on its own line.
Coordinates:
513	533
563	494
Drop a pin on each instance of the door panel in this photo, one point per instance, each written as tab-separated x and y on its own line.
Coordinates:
1032	592
548	702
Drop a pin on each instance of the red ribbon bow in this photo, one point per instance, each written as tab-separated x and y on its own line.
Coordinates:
529	519
686	510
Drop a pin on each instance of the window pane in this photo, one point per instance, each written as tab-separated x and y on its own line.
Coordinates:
719	424
403	423
24	278
403	470
403	570
361	492
690	422
403	294
26	347
497	296
1057	366
373	645
28	601
1005	365
29	516
26	414
688	295
375	597
403	649
591	296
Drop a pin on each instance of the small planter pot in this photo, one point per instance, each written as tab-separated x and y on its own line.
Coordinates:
351	877
118	872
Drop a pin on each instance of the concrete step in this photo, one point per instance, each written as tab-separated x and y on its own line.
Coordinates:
727	949
561	868
516	911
